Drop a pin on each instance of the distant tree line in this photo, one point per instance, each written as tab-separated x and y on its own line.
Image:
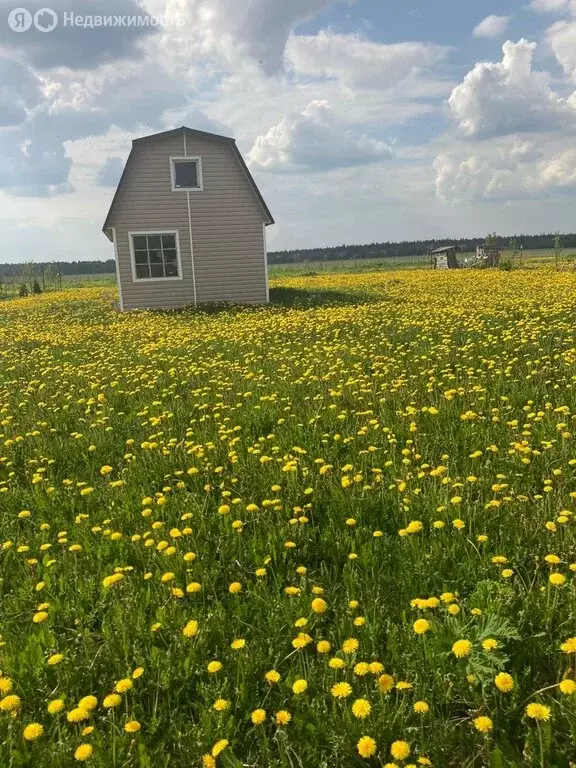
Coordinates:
62	268
418	248
335	253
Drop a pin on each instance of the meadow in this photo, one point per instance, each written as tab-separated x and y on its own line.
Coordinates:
331	532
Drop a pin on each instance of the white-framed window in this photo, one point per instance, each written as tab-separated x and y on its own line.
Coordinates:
186	174
155	255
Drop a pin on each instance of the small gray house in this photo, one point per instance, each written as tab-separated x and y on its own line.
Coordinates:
188	224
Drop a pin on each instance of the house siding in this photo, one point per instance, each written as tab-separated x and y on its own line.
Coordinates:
226	259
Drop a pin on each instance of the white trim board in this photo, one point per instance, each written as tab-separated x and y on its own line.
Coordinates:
195	158
137	280
118	279
190	228
265	262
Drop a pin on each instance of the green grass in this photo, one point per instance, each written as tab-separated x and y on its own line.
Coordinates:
399	445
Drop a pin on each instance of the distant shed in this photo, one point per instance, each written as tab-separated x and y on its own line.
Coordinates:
445	257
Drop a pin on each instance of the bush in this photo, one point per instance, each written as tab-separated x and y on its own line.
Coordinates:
23	290
506	265
36	287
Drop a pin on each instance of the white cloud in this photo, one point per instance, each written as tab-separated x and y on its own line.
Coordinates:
315	140
562	39
559	171
359	63
505	169
491	26
259	28
509	97
551	6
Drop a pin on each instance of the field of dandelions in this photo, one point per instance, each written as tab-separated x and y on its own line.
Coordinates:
324	535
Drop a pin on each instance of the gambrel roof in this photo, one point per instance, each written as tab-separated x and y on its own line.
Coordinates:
200	134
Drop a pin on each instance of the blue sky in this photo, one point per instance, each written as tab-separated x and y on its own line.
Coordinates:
362	121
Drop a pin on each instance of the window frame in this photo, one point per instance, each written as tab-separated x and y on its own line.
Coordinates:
190	159
136	233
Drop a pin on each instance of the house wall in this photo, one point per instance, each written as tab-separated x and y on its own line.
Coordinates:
225	259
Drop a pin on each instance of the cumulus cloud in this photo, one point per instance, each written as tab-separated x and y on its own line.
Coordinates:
314	139
562	39
360	63
505	169
509	97
491	26
559	171
78	105
259	28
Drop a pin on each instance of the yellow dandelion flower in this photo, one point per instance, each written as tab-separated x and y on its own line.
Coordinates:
258	716
33	731
538	711
421	626
319	605
219	747
483	724
350	646
282	717
400	750
504	682
361	708
83	752
341	690
191	629
9	703
557	579
300	686
385	683
111	701
366	746
567	687
88	703
569	646
461	648
77	715
55	706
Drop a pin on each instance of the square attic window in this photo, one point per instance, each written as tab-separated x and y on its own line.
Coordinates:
186	174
